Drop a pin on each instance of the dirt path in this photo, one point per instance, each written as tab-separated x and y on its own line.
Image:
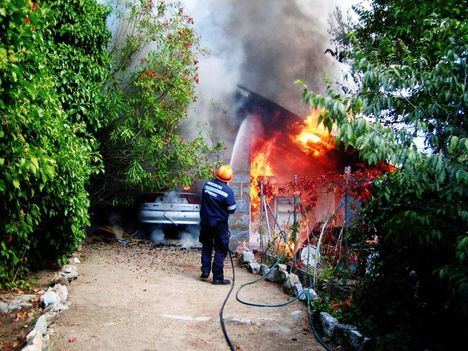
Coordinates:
144	298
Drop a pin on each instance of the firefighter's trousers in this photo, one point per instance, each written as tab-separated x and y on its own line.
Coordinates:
214	236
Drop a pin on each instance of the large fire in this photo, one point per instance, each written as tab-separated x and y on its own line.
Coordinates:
304	178
260	169
313	139
306	139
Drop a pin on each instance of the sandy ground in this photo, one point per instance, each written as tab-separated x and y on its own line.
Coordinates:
145	298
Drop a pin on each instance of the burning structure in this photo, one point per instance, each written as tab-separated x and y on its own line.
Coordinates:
290	175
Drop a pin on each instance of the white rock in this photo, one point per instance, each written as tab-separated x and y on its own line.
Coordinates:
355	339
283	267
309	255
69	271
59	279
37	341
41	325
31	348
50	317
329	323
74	260
31	335
264	269
272	275
56	308
298	291
312	293
68	268
61	291
290	283
293	279
45	341
50	298
283	276
344	328
254	267
247	257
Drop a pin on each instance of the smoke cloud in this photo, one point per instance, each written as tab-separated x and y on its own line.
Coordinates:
264	45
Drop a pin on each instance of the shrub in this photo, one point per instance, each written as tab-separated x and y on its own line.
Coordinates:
52	71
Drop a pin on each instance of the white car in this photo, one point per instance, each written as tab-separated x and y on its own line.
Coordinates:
176	208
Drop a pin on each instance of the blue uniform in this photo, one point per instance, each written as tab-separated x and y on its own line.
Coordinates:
217	203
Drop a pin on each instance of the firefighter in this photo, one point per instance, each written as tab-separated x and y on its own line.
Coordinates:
217	203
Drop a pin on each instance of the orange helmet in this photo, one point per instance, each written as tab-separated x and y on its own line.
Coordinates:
224	173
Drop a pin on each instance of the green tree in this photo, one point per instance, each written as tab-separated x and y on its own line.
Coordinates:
52	73
71	107
154	55
404	102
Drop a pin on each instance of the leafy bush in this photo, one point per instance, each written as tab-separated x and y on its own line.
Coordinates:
154	66
416	295
52	75
70	109
406	105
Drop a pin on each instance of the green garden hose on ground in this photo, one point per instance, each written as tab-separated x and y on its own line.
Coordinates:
221	317
309	311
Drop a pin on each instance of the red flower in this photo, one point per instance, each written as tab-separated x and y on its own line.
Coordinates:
346	304
35	6
27	20
150	72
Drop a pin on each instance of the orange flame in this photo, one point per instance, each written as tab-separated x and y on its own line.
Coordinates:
259	167
314	139
287	249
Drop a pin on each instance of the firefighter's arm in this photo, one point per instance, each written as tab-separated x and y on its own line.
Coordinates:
231	202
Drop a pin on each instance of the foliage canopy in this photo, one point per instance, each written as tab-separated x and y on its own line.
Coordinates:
52	73
404	101
80	118
154	72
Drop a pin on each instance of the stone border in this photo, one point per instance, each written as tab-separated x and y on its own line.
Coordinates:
345	335
53	301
